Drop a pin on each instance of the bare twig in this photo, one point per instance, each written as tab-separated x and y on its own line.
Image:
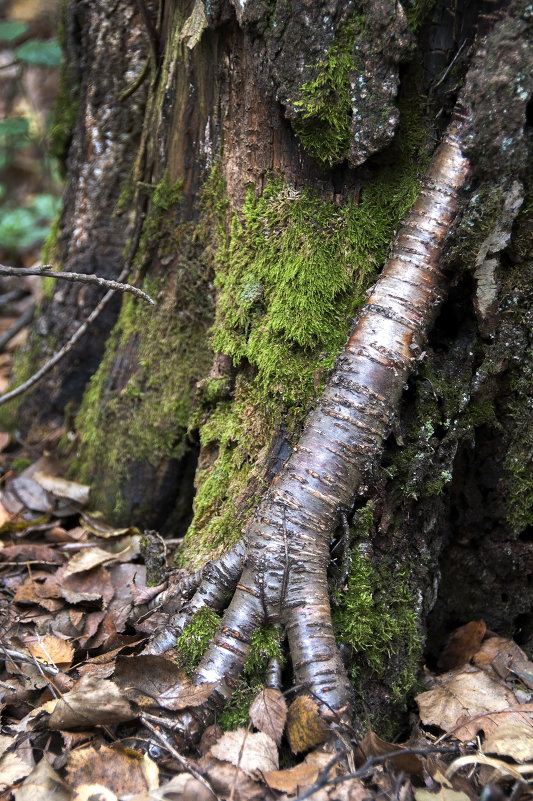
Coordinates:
23	320
81	278
184	762
369	765
67	347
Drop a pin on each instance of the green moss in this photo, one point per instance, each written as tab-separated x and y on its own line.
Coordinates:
144	416
324	122
418	12
20	464
265	645
291	272
377	620
192	643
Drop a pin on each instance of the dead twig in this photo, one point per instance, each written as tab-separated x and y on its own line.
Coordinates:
23	320
48	271
67	347
372	762
184	762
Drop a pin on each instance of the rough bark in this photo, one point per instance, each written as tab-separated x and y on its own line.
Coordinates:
244	94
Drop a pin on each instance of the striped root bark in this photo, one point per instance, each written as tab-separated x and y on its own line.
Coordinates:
286	547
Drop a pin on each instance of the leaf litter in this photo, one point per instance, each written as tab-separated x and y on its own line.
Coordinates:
86	715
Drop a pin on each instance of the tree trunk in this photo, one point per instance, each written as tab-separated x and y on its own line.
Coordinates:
282	146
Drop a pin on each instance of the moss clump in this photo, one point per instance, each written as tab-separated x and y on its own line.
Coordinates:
324	106
265	646
66	105
417	12
377	620
192	643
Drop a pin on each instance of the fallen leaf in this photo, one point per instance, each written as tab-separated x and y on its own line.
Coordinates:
511	739
186	694
5	439
505	657
229	781
31	494
459	696
92	702
63	488
12	769
101	529
87	560
90	585
268	713
43	784
298	779
184	787
305	727
462	645
52	651
31	552
443	794
247	751
120	770
372	745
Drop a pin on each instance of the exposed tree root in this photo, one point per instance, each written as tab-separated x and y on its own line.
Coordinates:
286	547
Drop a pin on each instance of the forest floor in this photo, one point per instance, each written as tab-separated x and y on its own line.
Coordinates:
86	715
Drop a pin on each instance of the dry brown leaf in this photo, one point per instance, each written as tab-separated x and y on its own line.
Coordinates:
156	680
120	770
43	784
95	526
92	702
249	752
31	552
87	559
305	727
12	769
511	739
52	651
5	439
372	745
268	713
183	786
462	645
505	657
351	790
63	488
5	516
298	779
229	781
461	695
443	794
31	494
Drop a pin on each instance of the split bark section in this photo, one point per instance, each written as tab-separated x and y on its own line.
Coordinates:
284	580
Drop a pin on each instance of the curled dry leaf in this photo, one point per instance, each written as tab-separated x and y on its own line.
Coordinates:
505	658
92	702
511	739
305	727
461	695
52	650
463	643
298	779
62	488
268	713
249	752
229	781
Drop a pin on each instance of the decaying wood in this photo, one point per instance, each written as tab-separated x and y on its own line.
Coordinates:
284	581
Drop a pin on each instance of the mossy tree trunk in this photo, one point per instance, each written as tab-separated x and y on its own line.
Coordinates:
281	147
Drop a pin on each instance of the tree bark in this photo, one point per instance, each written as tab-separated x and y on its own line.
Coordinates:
281	148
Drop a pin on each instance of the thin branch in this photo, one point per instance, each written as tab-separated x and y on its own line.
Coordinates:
185	763
369	765
23	320
67	347
82	278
